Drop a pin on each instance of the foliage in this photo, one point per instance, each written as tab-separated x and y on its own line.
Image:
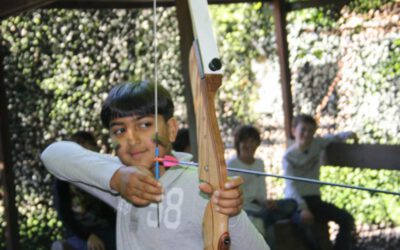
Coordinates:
238	51
377	208
362	6
355	56
59	68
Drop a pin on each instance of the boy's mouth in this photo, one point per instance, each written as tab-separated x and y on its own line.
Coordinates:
137	154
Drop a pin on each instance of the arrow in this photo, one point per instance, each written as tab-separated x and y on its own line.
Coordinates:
170	161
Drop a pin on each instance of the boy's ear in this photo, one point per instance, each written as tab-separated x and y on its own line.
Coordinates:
173	127
293	130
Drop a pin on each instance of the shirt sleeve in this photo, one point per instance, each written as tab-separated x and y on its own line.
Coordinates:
244	235
88	170
291	190
339	137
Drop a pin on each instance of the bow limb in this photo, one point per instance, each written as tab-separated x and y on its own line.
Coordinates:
206	78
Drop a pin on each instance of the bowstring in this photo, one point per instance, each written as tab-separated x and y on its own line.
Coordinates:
157	164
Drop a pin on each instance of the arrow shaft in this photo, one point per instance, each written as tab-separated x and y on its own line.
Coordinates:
295	178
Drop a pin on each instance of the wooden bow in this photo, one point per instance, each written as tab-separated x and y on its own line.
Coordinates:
206	77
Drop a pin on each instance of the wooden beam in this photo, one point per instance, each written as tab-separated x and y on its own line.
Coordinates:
7	175
108	4
283	53
186	41
372	156
9	8
236	1
127	4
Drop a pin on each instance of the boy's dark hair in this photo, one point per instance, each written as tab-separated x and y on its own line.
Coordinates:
85	139
182	140
137	99
303	118
245	132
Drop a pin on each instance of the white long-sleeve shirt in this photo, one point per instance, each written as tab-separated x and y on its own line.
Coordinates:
254	186
306	164
181	210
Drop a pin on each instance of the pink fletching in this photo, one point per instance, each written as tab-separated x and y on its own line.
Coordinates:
170	161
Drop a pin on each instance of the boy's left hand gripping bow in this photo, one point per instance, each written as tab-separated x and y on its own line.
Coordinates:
205	78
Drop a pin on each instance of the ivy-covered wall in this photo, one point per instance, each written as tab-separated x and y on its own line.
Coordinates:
59	67
60	64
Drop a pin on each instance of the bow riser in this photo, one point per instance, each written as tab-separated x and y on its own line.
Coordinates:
212	166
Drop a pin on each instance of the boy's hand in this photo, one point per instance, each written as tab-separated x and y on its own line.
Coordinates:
271	204
306	216
228	201
353	136
137	185
95	243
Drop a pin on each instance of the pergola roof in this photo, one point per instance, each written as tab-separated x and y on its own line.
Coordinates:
8	8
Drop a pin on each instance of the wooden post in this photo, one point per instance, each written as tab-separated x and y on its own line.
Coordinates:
186	41
7	174
283	53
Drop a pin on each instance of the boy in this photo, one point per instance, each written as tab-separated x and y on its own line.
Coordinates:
128	112
264	213
302	159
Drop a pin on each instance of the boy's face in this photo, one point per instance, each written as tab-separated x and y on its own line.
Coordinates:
303	134
133	138
247	148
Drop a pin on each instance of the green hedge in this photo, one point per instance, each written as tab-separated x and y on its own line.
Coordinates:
60	64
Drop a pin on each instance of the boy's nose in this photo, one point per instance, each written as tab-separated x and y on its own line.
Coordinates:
133	138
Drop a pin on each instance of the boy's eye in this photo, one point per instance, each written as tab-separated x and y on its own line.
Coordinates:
118	131
145	124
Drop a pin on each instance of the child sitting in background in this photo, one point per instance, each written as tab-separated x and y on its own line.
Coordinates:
302	159
89	222
262	211
182	141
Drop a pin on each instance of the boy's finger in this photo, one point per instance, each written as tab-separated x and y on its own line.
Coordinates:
149	182
145	197
228	194
228	203
138	201
234	182
152	197
231	211
206	188
143	188
145	175
142	196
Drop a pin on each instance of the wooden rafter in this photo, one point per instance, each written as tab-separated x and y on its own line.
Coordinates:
8	8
